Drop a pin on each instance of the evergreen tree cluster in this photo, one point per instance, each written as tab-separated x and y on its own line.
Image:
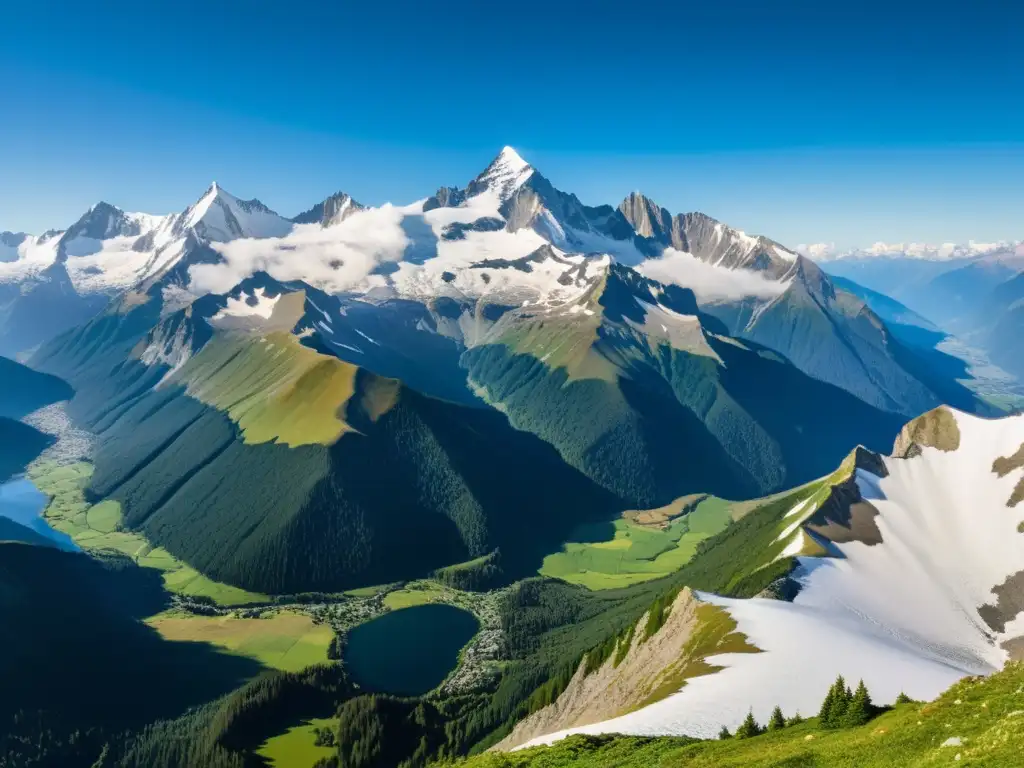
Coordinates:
843	708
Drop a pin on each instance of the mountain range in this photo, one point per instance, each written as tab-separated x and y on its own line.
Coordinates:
446	401
659	355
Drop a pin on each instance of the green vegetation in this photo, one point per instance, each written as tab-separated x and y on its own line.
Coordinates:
226	733
479	574
297	747
636	553
276	390
282	640
238	481
416	593
99	528
977	722
652	422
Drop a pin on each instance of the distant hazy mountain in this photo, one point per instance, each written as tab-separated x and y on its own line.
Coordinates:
971	291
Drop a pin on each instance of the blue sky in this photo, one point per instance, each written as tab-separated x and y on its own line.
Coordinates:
804	121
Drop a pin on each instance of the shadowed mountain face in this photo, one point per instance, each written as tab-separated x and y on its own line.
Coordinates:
39	309
23	390
76	650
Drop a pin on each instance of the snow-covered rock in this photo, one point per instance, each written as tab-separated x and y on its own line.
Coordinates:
932	595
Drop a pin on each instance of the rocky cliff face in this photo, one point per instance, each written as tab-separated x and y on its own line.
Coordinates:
648	670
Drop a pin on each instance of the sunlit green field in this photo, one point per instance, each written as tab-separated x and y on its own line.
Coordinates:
296	748
635	553
285	640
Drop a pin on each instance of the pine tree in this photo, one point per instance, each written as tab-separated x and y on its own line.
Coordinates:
748	727
796	719
724	733
860	708
904	699
776	722
825	714
833	708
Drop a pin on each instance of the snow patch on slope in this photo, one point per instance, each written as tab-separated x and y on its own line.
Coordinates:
903	615
256	304
28	258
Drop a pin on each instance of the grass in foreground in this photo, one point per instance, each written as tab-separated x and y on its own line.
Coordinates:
285	640
977	722
98	527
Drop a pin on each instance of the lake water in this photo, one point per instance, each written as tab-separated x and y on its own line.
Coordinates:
411	651
22	502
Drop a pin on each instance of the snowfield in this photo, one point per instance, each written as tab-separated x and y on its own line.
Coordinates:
903	614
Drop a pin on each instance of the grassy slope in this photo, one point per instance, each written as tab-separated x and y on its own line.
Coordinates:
276	390
986	715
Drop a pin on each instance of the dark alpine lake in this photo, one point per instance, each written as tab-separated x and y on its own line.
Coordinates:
409	651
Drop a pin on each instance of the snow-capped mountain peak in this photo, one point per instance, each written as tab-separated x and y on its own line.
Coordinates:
104	221
334	210
506	173
219	216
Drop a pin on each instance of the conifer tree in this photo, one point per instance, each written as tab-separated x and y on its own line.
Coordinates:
904	699
796	719
776	721
748	727
860	708
825	713
833	708
724	733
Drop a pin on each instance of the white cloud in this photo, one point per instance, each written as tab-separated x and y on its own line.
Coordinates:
924	251
817	251
338	258
708	282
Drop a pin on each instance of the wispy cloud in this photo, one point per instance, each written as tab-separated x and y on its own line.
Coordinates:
335	259
708	282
